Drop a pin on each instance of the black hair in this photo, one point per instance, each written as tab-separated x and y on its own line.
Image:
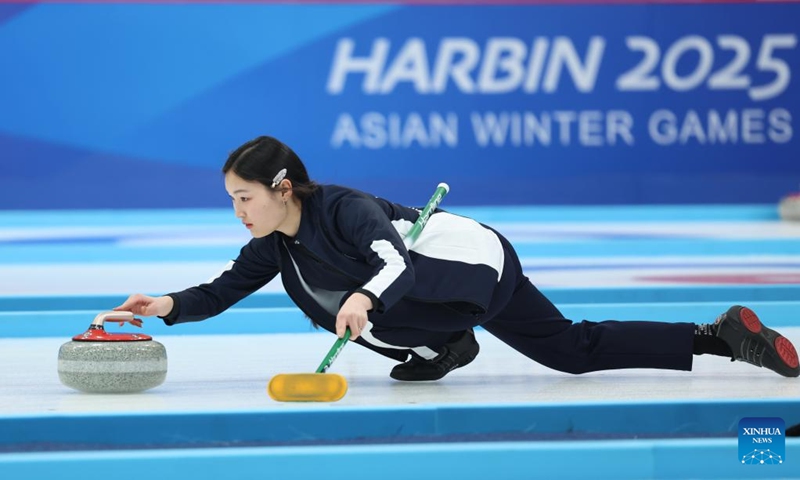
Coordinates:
260	160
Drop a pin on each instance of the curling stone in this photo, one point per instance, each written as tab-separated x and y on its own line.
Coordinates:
100	362
789	207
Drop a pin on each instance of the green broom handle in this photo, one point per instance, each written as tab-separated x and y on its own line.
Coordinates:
433	203
408	240
334	352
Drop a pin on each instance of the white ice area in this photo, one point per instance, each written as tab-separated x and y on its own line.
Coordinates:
231	372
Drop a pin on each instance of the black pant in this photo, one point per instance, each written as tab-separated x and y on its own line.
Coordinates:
523	318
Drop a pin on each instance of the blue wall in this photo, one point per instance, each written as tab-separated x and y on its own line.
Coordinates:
137	105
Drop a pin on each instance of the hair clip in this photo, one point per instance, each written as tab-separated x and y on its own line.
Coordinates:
279	177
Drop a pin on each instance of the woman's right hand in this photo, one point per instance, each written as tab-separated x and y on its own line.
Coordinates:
147	306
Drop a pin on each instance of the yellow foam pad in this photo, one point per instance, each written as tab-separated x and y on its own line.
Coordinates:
307	387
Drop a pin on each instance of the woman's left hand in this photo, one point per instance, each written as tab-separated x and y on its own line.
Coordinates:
353	315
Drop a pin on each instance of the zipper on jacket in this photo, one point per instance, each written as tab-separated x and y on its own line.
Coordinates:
324	264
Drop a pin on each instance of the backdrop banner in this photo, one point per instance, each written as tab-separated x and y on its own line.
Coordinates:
137	105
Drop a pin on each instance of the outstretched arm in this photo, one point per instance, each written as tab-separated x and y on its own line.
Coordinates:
252	269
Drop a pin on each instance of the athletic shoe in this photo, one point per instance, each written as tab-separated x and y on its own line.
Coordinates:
454	355
754	343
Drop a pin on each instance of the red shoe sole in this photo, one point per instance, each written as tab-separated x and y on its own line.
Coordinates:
750	320
786	351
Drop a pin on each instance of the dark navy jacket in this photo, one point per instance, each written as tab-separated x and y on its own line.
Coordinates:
350	241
